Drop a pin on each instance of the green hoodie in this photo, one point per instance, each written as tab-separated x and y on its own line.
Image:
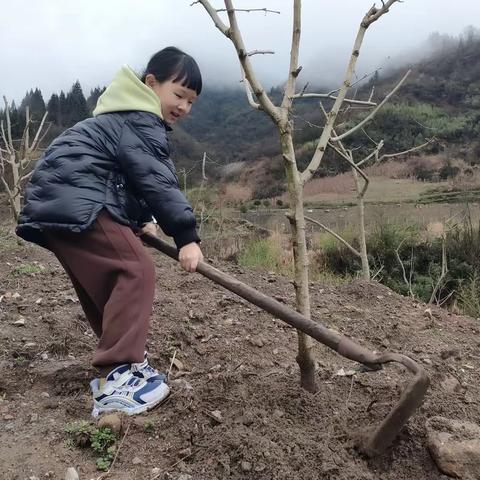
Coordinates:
128	92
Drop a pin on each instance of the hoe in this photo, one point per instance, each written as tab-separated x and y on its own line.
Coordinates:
376	440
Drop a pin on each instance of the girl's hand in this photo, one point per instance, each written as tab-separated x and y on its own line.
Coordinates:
189	256
150	228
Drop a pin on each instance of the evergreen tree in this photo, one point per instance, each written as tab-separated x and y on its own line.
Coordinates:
62	109
37	105
76	105
54	114
93	98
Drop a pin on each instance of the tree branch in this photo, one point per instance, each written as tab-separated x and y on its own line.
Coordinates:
236	37
260	52
373	112
410	150
293	68
338	237
265	10
248	90
214	15
366	103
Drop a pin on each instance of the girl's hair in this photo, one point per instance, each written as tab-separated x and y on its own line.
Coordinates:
175	65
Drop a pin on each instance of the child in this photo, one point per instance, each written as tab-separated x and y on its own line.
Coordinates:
93	192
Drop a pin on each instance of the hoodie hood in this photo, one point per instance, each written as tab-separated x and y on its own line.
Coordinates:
128	92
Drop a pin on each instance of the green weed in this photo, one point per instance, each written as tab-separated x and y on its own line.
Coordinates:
27	269
100	440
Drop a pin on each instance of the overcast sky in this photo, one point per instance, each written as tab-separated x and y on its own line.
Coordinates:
51	43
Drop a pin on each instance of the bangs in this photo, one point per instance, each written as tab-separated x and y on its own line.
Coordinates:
188	75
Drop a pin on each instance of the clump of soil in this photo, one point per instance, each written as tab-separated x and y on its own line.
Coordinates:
236	409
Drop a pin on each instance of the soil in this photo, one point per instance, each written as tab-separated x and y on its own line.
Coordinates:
235	361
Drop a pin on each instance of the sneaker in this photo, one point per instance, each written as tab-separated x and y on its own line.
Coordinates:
146	372
127	393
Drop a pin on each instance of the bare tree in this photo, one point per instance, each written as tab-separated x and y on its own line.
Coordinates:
17	156
281	115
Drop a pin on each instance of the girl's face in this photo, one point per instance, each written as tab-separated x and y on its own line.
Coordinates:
175	99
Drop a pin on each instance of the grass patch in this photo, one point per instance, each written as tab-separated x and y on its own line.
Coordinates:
27	269
469	296
100	440
263	253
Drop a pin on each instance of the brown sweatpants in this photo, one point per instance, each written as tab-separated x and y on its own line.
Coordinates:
114	277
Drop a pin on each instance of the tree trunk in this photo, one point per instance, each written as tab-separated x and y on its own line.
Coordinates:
304	358
361	225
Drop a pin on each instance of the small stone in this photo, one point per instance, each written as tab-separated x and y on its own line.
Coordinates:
33	417
451	352
278	413
258	342
451	384
20	322
16	295
71	474
386	343
426	361
33	477
8	417
155	471
246	466
216	415
455	446
184	476
30	344
44	356
178	364
136	460
51	404
111	421
186	452
38	301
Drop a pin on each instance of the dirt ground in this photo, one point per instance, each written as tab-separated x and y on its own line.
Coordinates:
237	362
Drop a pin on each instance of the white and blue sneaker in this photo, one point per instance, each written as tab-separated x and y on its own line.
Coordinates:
124	392
146	372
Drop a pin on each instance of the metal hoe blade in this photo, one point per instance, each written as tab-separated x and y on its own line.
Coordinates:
374	441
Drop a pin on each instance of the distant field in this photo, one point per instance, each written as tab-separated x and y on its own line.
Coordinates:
340	190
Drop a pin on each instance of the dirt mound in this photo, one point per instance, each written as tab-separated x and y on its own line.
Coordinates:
236	410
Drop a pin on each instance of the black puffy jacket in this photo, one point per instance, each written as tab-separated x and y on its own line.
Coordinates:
118	161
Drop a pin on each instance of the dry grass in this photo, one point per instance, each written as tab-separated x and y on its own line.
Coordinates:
234	192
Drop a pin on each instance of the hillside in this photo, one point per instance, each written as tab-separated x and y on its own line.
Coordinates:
441	98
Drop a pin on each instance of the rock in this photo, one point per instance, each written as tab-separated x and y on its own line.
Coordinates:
246	466
184	476
71	474
45	395
20	322
426	361
16	295
450	352
111	421
156	471
455	446
216	415
30	344
451	385
178	364
136	460
258	342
